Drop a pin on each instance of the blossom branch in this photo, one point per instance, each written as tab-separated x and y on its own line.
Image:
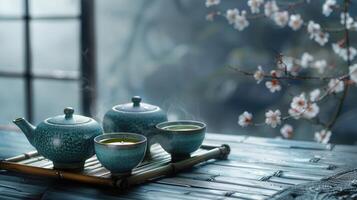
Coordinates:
315	120
288	7
346	86
305	105
289	76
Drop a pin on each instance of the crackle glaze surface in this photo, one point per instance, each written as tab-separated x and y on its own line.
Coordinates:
65	143
134	117
180	142
141	123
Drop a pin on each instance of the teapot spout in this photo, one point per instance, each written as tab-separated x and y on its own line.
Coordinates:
27	128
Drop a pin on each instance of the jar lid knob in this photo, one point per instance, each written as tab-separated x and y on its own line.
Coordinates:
68	112
136	101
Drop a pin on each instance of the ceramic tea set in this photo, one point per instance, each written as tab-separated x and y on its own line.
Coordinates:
127	134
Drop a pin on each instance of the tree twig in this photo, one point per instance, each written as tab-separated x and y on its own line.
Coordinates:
290	77
288	6
346	85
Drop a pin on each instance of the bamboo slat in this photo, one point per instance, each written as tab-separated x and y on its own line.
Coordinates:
34	164
256	168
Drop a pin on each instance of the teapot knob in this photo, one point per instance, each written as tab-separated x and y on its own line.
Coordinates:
136	101
68	112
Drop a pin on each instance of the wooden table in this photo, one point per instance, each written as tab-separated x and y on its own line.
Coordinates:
256	169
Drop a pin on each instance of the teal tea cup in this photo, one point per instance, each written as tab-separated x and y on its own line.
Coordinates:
120	152
180	138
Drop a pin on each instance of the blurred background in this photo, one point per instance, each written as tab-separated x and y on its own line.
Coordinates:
164	51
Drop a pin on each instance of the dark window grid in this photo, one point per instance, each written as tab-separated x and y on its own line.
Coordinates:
57	17
86	76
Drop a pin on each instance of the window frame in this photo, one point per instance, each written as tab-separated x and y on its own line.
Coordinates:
87	68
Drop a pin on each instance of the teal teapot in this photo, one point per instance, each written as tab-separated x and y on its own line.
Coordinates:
67	140
134	117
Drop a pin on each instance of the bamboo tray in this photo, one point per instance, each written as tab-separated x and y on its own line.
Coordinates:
159	166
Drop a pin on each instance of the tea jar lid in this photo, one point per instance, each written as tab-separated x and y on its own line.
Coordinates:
135	106
68	118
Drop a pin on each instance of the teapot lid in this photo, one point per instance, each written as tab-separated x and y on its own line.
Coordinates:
135	106
68	118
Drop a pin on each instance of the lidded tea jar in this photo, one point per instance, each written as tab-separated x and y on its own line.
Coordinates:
135	117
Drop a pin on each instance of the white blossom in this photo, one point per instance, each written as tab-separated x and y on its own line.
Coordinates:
281	18
295	113
316	33
237	18
245	119
322	38
273	118
335	86
327	7
311	111
273	85
320	65
270	8
345	17
255	5
295	22
259	74
231	15
313	29
280	65
275	73
342	52
315	95
287	131
353	73
350	23
306	60
286	62
299	103
210	3
300	107
323	136
241	21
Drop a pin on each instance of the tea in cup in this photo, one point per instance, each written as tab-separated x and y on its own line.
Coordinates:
120	152
181	138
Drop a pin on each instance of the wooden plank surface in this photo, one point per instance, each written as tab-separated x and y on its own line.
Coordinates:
256	169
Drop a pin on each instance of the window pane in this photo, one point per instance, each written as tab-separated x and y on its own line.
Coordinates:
51	8
11	100
11	48
55	45
51	97
11	7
